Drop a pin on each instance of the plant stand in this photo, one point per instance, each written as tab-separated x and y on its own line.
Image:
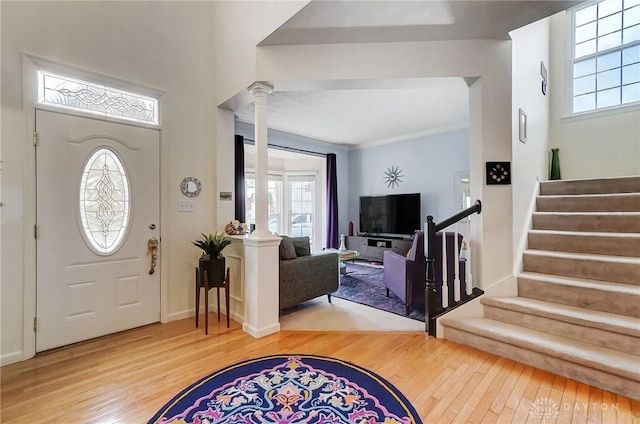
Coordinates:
205	284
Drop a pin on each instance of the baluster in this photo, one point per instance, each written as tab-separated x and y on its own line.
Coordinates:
456	266
445	286
469	279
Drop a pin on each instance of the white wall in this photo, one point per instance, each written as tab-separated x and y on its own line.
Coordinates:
490	111
530	159
238	27
165	45
594	144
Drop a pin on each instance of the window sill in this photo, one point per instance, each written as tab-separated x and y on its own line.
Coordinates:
599	113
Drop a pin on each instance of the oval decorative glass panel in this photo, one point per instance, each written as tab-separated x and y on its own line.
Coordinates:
104	201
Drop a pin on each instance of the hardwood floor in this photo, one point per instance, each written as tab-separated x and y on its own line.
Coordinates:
126	377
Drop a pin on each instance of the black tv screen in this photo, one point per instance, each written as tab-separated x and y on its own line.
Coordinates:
391	214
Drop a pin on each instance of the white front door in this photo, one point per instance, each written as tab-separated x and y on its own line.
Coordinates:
97	207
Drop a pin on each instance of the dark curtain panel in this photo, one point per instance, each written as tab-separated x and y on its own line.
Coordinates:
332	202
240	185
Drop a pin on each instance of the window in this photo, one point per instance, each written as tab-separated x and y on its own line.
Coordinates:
606	55
72	93
302	205
292	213
104	201
274	201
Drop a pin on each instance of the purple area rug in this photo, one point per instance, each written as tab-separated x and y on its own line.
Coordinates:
363	284
289	389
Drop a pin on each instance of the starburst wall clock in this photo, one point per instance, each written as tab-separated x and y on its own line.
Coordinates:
392	176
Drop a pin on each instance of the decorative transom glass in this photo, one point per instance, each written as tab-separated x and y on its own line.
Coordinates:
72	93
104	201
606	59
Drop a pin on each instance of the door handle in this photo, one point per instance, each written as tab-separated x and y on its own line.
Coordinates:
152	246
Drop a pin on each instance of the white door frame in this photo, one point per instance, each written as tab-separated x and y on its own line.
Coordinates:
30	66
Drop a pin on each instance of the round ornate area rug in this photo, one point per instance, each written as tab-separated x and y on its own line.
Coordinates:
289	389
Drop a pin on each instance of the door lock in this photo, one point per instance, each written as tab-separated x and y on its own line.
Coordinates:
152	245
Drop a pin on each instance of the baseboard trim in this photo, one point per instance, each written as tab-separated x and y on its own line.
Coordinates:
261	332
12	358
191	313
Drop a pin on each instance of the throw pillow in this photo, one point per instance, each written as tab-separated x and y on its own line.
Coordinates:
287	250
301	245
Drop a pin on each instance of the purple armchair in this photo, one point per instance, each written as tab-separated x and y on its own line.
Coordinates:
406	276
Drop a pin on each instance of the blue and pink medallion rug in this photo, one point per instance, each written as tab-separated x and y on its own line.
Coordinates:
289	389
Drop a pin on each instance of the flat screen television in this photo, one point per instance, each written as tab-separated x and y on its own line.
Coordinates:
394	214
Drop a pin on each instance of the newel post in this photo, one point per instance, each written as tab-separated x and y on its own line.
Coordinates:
430	287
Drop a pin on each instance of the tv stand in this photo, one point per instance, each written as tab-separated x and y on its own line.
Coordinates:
372	247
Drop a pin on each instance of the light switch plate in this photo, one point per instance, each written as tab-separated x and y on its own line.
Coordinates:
186	206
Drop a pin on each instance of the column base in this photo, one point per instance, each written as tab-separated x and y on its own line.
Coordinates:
260	332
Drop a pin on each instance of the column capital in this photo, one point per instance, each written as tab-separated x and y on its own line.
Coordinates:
260	88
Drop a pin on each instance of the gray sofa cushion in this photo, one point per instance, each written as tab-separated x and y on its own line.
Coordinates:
287	249
307	277
301	244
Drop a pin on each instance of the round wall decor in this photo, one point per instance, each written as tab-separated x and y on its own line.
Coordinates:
392	176
190	186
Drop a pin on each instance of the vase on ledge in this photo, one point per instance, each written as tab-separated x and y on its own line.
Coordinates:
554	169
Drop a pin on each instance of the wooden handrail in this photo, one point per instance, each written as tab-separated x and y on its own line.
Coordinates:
430	286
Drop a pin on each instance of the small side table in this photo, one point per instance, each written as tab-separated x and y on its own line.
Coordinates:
343	256
205	284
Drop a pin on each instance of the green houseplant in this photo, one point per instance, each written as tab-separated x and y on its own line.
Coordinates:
212	260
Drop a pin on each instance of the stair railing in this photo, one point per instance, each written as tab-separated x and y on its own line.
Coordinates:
440	289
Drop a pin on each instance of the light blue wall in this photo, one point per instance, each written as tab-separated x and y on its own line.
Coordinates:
428	166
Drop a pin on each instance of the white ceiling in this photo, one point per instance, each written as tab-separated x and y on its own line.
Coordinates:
362	116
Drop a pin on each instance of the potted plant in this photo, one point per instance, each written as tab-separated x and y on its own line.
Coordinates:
212	260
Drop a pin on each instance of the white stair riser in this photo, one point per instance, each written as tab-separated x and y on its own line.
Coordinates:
583	297
624	203
588	223
619	272
602	245
596	336
556	365
607	185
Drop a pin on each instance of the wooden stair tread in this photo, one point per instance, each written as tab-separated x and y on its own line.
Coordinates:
584	256
635	236
615	362
589	213
583	282
571	314
589	196
628	184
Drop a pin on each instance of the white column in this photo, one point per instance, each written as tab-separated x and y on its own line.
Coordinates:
260	92
261	248
261	296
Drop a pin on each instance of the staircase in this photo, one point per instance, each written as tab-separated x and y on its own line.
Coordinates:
577	313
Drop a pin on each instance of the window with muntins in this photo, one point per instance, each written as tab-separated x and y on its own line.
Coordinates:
274	200
606	55
90	97
302	205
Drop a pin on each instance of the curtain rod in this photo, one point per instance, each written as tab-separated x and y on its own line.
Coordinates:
277	146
